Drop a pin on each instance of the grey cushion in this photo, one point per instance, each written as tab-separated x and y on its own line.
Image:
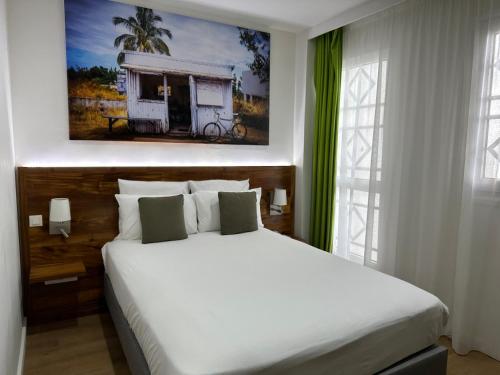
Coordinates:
237	212
162	219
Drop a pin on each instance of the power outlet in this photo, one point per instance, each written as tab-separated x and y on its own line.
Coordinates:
36	221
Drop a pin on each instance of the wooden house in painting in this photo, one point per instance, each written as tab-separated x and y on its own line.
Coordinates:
169	95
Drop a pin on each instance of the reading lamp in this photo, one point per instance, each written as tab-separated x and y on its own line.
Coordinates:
60	217
278	201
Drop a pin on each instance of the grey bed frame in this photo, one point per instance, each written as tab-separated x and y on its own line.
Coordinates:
430	361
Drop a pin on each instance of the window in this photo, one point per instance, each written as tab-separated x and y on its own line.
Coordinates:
359	161
209	93
151	87
491	109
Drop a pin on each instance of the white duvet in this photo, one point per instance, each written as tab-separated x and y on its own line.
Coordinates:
262	302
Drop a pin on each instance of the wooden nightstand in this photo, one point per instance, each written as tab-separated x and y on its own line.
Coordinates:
53	291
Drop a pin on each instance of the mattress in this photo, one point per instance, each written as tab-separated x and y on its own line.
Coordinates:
261	302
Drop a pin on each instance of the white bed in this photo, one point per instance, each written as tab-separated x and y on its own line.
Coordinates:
262	302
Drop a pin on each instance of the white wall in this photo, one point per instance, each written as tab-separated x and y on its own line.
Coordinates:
10	292
38	72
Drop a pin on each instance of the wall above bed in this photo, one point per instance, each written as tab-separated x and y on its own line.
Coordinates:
40	109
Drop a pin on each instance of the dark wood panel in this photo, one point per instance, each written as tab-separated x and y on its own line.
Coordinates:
53	302
94	214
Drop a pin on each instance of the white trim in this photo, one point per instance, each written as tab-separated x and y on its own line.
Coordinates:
150	62
142	70
175	59
22	349
351	15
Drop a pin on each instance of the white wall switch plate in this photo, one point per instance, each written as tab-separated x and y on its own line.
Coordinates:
36	221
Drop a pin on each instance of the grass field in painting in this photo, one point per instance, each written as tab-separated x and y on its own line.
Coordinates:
90	101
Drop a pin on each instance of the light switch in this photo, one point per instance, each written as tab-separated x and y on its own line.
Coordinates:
36	221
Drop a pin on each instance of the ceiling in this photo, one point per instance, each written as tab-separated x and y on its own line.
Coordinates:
292	15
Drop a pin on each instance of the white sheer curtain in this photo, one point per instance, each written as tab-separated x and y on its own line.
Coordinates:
419	159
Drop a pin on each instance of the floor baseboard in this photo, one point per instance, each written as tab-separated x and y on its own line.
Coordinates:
22	349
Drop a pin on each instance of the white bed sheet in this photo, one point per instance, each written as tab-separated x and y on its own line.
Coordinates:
262	302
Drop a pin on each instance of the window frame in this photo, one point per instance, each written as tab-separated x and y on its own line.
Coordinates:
350	184
140	87
490	30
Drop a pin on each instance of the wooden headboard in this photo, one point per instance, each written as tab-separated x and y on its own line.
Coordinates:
94	214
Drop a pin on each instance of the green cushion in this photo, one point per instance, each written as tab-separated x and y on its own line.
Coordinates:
237	212
162	219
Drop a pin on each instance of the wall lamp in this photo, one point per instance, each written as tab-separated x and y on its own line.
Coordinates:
60	217
278	201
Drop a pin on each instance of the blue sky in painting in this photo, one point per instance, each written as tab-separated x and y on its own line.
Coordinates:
90	35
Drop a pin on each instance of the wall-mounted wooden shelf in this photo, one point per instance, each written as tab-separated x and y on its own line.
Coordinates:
56	271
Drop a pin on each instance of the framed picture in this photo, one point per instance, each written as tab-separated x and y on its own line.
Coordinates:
138	74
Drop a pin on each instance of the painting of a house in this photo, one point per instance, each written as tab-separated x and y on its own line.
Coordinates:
174	85
194	90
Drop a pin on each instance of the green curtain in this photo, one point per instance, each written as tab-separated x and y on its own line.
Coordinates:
327	77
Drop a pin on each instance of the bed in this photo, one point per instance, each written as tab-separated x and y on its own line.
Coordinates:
261	302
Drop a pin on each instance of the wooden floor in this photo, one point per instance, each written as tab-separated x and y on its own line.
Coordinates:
470	364
90	346
85	346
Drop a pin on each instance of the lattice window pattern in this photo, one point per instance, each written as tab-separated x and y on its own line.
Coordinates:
360	131
491	161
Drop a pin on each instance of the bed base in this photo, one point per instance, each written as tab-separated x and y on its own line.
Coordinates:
133	352
430	361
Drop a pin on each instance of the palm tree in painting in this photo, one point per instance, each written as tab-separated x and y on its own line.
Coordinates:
145	33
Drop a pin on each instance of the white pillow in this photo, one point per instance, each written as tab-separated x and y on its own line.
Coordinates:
207	208
164	188
258	193
129	220
219	185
